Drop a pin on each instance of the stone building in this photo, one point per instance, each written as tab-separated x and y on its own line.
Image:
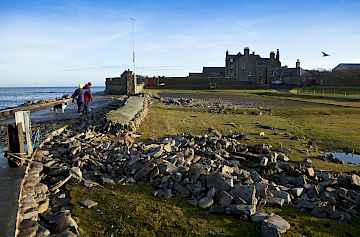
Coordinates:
251	68
289	76
126	84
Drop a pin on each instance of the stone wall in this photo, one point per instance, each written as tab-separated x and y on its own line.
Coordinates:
33	198
140	116
205	83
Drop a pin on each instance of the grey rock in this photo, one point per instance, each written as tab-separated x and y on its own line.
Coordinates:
245	192
66	233
264	161
275	202
76	172
145	171
108	181
42	232
218	182
283	157
355	180
163	193
259	217
297	191
211	193
88	203
261	190
283	195
247	210
274	226
206	202
224	199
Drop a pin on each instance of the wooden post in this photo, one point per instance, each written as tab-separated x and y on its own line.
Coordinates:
28	133
16	143
23	118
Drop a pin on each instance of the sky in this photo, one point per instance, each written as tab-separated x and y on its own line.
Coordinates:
65	42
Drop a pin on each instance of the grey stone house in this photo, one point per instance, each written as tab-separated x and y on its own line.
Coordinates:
251	68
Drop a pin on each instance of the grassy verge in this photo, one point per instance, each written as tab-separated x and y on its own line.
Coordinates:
133	211
162	121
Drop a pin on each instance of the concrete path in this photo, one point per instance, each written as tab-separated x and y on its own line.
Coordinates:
46	115
10	181
126	113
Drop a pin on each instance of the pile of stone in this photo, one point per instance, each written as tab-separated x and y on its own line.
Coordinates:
214	172
177	101
34	201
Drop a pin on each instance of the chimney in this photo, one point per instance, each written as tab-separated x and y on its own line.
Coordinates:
246	51
272	55
277	55
298	63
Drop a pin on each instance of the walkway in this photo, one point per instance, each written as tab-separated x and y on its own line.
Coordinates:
10	181
126	113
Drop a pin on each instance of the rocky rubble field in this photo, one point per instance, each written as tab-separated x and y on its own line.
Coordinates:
218	173
213	106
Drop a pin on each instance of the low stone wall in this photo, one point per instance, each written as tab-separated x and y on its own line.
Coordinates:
140	116
33	198
130	116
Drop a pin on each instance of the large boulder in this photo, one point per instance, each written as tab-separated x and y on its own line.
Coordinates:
218	182
246	210
355	180
206	202
274	226
245	192
224	199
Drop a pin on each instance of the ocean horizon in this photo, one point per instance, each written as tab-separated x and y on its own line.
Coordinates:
15	96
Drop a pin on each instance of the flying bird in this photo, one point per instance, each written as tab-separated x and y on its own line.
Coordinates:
325	54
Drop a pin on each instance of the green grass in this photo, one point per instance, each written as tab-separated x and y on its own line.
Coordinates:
164	121
133	211
303	224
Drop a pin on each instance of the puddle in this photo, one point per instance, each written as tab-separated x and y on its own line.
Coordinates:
348	158
3	160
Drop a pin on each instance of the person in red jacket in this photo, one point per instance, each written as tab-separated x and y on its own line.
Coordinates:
87	97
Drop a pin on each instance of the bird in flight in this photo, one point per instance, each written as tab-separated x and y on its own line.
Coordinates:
325	54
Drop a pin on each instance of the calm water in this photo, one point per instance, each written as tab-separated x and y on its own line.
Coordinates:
349	158
14	96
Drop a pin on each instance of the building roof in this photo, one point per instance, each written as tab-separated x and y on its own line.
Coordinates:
348	67
213	69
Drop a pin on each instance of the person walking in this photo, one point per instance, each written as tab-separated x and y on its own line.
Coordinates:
77	95
87	97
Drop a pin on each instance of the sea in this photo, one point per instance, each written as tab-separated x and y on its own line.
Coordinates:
14	96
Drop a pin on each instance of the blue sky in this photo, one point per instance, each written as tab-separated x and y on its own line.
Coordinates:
62	43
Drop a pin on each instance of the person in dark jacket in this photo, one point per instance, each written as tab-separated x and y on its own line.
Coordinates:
87	97
77	96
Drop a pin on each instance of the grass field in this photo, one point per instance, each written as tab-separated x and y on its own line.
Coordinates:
133	211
